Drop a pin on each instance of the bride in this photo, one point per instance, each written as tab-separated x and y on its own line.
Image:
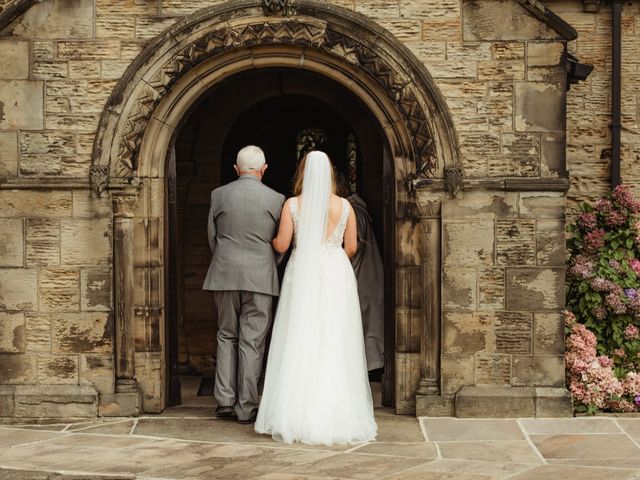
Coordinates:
316	388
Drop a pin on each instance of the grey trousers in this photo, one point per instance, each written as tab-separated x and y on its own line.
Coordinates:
243	322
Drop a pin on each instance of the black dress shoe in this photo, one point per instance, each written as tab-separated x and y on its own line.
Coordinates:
248	421
225	412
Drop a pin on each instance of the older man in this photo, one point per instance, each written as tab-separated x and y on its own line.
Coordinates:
243	219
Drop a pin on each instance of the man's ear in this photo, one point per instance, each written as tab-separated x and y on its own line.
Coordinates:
264	169
235	167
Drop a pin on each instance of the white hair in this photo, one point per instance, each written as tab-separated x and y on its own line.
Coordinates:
250	158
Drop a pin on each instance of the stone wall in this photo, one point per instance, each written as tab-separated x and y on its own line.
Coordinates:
502	74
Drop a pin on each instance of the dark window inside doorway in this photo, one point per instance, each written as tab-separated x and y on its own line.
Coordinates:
269	108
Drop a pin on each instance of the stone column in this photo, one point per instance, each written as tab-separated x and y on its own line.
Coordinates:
126	400
429	216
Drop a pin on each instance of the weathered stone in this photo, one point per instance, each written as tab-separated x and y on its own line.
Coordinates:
409	237
17	369
18	288
8	154
520	156
43	50
456	372
47	69
149	27
55	19
535	289
51	401
544	53
430	8
13	337
495	402
553	402
11	242
459	289
404	30
498	111
95	292
501	70
127	404
21	105
468	244
141	7
465	333
89	50
466	88
150	375
434	406
515	242
493	369
115	26
378	8
130	50
14	59
59	289
553	156
7	401
86	332
39	165
541	205
43	242
98	371
478	204
57	369
85	242
113	69
490	288
445	29
539	107
38	327
476	149
507	50
55	143
408	291
408	331
550	242
84	69
548	334
543	371
513	332
499	20
450	70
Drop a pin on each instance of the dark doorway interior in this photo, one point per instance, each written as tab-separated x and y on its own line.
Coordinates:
282	111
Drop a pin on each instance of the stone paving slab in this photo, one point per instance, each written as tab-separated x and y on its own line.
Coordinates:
169	447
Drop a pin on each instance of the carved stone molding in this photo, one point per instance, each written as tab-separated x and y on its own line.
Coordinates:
124	203
278	7
453	180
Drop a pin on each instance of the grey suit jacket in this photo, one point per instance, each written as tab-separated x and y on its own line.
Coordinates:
243	219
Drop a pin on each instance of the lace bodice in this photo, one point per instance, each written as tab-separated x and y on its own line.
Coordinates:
336	238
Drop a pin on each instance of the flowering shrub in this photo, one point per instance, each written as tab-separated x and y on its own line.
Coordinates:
603	346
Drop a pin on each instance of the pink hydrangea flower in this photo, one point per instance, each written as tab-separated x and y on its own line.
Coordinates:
594	240
615	303
624	197
588	221
634	263
631	332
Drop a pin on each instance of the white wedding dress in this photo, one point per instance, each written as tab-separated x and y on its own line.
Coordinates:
316	387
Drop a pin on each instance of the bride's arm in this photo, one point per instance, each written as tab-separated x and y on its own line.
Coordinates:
282	242
351	234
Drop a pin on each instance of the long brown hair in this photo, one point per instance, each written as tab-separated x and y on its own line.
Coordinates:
299	177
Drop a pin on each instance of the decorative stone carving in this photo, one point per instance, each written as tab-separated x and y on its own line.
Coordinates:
307	33
453	180
98	176
278	7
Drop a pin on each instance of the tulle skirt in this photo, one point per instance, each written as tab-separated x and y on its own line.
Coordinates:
316	387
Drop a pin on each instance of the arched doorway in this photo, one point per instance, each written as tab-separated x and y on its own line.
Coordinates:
154	98
282	111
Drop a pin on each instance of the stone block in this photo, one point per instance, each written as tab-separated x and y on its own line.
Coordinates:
144	7
465	333
468	244
553	155
53	143
14	59
408	287
86	332
56	401
18	289
113	69
99	372
553	402
507	50
539	107
85	241
535	289
121	405
38	332
500	20
520	156
34	204
550	242
13	337
129	50
150	373
43	242
452	70
59	289
434	406
479	204
459	288
57	369
440	30
378	8
430	8
538	370
408	243
456	372
55	19
544	53
408	330
495	402
515	242
89	49
501	70
49	69
21	105
83	69
43	50
7	401
492	369
548	334
17	369
40	165
465	88
490	288
476	148
403	30
513	331
498	111
542	205
115	26
11	242
407	376
95	289
8	154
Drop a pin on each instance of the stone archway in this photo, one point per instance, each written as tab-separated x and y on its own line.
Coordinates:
163	84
